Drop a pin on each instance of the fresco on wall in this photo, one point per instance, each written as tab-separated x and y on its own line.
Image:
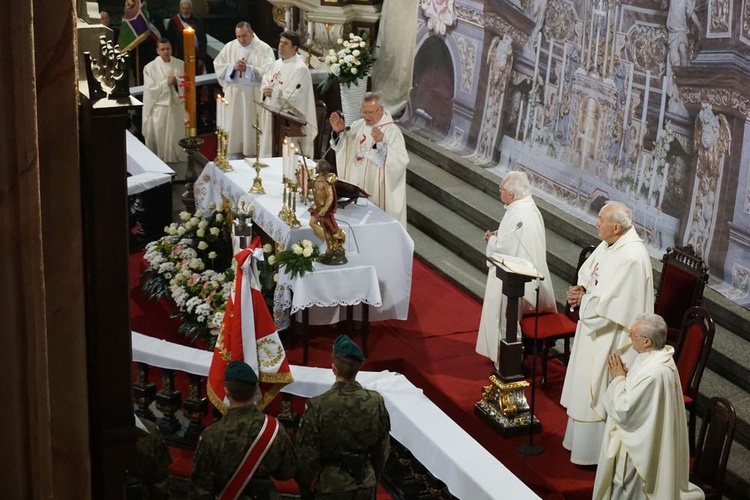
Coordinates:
601	100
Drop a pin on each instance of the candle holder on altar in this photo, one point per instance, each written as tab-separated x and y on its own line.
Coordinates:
257	182
289	204
222	160
258	132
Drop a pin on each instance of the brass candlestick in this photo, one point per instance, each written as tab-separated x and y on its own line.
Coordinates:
292	214
258	132
257	182
222	142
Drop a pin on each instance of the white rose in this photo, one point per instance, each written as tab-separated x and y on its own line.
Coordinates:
354	71
276	278
203	224
215	231
200	233
187	273
352	36
332	52
307	252
271	259
211	255
199	214
194	221
355	52
180	230
212	206
221	277
306	243
346	44
297	249
219	217
184	216
267	248
362	44
340	41
202	245
336	69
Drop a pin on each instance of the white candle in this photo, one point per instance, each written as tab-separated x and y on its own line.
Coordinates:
218	112
520	118
284	159
538	53
310	32
664	85
645	103
549	67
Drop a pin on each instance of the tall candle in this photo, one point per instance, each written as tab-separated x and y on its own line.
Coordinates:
284	159
188	44
645	103
224	116
664	85
549	67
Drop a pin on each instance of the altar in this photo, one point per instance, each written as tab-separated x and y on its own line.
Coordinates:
372	236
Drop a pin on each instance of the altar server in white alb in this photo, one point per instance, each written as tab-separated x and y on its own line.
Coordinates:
240	67
645	451
373	156
288	87
521	234
163	122
615	285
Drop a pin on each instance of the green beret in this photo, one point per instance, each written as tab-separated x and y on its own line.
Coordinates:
241	372
344	346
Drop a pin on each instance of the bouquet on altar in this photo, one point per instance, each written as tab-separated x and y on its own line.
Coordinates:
193	265
350	63
299	259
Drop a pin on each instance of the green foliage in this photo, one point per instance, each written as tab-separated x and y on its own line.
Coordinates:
351	63
299	258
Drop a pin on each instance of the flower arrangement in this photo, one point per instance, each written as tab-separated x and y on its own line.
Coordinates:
299	258
350	63
192	265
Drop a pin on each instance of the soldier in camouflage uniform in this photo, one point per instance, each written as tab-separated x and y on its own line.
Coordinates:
223	445
343	440
148	473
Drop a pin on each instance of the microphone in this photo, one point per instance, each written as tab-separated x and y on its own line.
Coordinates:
330	146
290	96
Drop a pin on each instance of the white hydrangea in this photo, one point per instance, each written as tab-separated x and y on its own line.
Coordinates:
336	69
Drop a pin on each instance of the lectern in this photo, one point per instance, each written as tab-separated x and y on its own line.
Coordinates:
285	124
503	404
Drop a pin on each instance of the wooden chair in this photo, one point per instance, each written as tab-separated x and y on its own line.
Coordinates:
552	327
691	354
714	444
683	279
324	128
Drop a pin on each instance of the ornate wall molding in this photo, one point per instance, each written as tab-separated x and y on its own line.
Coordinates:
647	48
745	28
717	97
467	49
482	19
439	14
560	21
719	19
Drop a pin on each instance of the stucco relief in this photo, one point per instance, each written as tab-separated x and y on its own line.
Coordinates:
745	29
646	46
439	14
560	22
467	51
740	283
472	16
716	97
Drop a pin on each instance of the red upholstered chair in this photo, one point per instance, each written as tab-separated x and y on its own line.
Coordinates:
714	444
553	326
683	279
691	354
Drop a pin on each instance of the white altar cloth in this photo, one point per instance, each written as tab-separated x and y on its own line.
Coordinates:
147	170
346	285
371	234
445	449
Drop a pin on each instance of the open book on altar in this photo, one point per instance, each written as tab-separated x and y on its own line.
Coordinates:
516	265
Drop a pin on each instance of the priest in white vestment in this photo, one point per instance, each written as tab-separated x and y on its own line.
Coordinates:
615	285
288	87
520	234
240	67
163	122
645	451
372	155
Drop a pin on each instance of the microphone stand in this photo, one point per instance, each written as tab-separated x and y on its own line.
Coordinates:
530	449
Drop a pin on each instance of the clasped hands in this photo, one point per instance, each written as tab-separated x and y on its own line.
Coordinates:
240	65
616	366
488	234
574	295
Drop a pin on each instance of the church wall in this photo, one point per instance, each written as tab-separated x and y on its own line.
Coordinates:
617	116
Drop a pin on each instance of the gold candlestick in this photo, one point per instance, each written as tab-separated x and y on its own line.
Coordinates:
258	132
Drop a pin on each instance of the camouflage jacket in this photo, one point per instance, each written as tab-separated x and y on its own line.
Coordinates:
345	419
149	471
223	445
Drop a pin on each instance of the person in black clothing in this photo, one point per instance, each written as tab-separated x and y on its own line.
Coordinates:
182	20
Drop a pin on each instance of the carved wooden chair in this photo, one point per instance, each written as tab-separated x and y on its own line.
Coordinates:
691	354
714	444
683	279
552	327
324	128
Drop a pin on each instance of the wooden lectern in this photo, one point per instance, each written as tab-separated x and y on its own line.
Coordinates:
285	124
503	404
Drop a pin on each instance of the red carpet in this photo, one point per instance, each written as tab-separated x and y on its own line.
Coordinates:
434	348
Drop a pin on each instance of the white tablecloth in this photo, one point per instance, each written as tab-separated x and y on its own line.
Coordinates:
448	452
328	286
146	169
371	234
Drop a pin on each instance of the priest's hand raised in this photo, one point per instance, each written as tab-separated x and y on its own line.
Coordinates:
337	122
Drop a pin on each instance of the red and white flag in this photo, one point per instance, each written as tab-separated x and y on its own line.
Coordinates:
248	334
